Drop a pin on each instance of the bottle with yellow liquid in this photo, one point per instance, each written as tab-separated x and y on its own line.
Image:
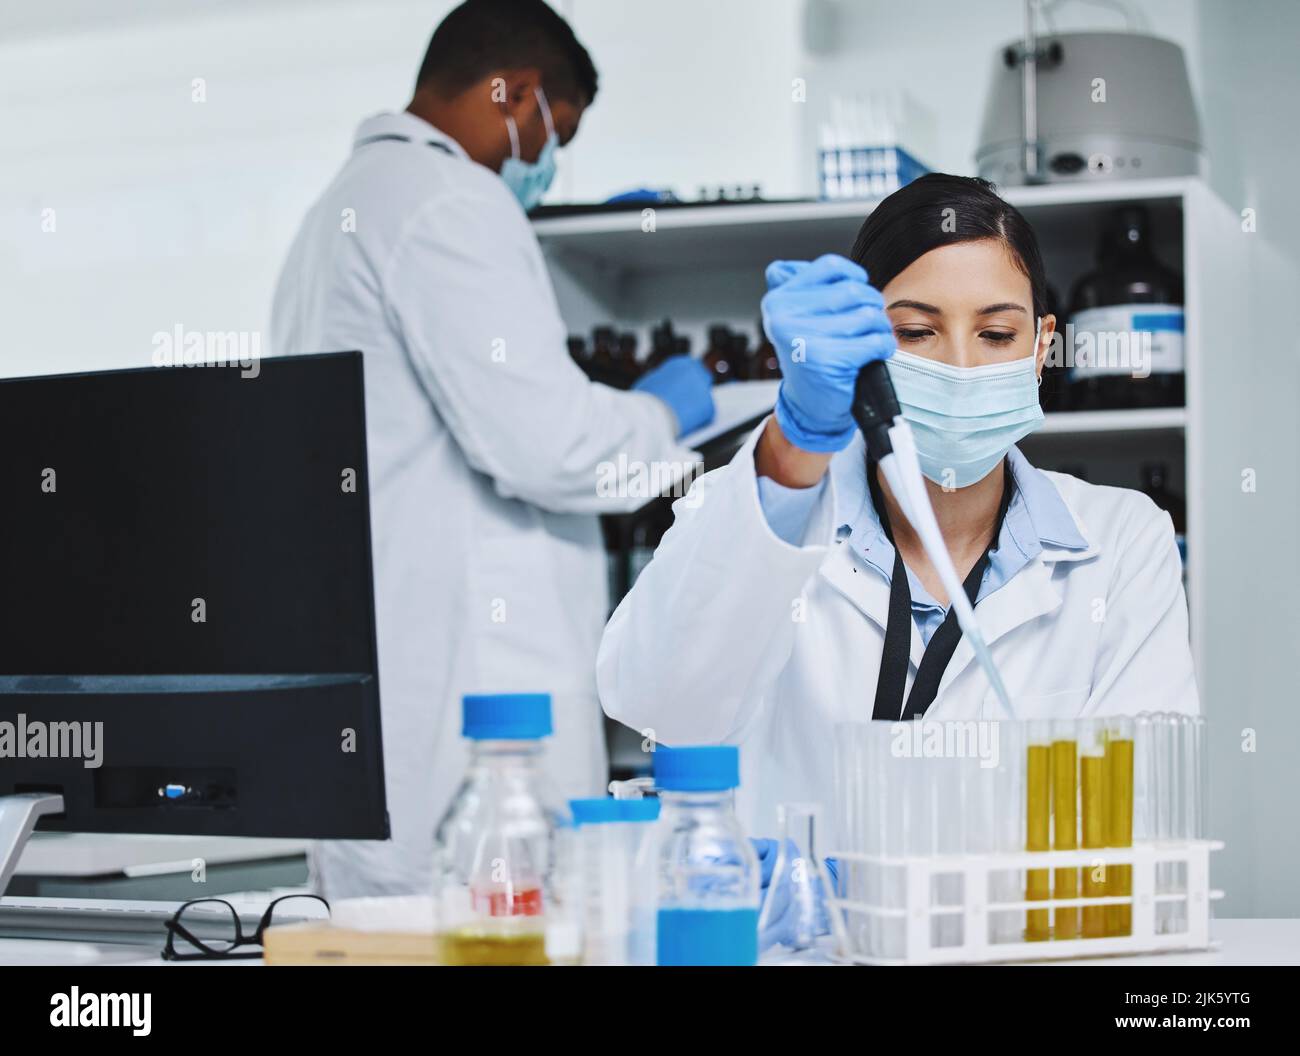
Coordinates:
1093	820
1119	819
1065	820
504	893
1038	825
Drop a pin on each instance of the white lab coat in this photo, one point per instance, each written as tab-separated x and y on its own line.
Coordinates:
484	444
732	635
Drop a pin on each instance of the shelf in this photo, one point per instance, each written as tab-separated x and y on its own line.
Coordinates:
1126	421
751	234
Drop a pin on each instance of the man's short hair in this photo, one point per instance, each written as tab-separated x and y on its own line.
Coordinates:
485	35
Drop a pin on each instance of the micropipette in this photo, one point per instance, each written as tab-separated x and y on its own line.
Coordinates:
890	442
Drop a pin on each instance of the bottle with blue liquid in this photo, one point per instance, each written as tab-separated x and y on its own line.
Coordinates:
706	872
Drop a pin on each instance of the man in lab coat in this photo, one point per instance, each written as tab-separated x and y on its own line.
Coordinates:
485	440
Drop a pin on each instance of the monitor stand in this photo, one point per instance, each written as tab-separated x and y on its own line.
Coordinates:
18	816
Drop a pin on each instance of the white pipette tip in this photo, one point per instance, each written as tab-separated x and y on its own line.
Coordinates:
902	469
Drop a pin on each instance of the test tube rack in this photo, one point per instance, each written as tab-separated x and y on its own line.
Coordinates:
919	909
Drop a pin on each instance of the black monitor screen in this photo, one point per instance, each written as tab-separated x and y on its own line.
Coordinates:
186	520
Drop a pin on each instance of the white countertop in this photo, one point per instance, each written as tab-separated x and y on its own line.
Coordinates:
1240	942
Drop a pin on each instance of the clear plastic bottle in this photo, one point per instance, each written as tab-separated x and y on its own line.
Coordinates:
610	835
503	866
706	869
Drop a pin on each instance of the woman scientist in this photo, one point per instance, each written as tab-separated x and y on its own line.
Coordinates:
792	594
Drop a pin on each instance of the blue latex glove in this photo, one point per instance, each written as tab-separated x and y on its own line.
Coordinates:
686	386
826	323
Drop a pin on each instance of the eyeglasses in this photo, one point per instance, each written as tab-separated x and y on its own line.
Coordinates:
221	933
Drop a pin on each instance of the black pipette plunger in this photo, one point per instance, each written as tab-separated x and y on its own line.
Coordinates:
875	406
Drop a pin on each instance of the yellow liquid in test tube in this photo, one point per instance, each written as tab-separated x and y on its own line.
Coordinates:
1064	833
1038	825
1119	829
1092	787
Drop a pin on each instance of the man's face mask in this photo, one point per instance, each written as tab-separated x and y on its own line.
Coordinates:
529	180
965	419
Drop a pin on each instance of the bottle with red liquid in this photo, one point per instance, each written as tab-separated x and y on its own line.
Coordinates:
504	877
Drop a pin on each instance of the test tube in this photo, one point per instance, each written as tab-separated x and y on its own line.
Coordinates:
921	836
1065	821
1181	810
1163	783
1093	820
854	822
1119	830
893	747
948	782
1038	824
1199	822
1008	925
1197	825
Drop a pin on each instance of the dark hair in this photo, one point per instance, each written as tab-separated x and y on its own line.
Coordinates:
940	210
480	36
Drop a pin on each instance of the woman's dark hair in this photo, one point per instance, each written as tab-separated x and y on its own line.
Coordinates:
940	210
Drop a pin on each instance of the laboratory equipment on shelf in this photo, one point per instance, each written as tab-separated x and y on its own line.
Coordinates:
706	874
983	840
504	863
610	834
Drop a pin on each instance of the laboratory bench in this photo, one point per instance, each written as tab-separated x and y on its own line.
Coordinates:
1239	942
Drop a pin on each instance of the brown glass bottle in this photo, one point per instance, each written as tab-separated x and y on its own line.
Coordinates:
1127	323
718	356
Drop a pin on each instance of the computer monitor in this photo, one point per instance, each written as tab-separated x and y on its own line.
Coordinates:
187	632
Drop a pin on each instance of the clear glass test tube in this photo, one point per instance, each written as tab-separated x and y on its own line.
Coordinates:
1008	925
1165	792
921	808
1182	740
1065	823
892	747
1093	821
854	816
949	777
1038	824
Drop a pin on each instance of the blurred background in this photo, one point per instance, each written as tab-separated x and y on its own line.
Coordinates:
99	124
156	157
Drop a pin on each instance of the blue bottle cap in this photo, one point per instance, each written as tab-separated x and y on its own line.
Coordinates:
712	768
646	809
594	811
506	716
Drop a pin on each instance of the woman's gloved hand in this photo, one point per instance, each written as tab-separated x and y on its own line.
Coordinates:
686	386
793	910
826	323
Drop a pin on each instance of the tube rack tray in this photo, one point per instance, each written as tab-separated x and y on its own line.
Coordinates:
977	872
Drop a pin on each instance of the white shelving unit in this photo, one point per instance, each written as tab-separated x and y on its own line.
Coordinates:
705	264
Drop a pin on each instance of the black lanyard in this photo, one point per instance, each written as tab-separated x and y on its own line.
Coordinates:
898	630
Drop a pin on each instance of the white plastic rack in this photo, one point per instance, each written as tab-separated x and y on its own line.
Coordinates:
867	935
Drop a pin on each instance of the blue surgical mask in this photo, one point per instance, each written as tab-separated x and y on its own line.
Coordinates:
965	419
529	180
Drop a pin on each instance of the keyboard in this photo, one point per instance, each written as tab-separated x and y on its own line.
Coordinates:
138	921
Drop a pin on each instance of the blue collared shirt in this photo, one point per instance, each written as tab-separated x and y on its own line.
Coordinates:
1036	515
